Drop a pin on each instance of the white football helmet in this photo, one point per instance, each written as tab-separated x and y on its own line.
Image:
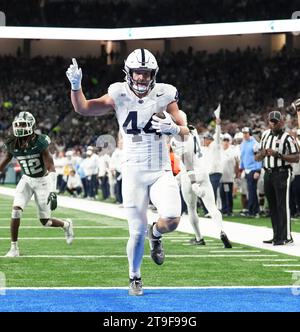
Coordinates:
23	124
140	59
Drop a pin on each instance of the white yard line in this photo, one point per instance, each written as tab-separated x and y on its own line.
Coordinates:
75	238
230	250
284	265
293	271
124	256
75	227
270	259
207	247
239	233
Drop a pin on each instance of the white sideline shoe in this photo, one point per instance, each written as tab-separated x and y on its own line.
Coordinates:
69	234
13	252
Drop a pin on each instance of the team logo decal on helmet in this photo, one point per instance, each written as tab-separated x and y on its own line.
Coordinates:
140	60
23	124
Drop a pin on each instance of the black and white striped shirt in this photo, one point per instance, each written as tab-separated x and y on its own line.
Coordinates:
283	143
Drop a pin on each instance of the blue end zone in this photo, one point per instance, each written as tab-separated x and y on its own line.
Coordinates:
154	300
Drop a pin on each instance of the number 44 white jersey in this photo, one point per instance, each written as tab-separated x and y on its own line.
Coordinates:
143	147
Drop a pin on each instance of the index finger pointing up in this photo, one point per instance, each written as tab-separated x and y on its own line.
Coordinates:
74	62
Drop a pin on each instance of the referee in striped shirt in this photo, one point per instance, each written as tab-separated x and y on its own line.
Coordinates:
277	151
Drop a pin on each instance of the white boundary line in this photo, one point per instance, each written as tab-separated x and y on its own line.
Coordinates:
154	287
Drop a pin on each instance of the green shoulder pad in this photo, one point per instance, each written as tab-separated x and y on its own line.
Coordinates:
42	142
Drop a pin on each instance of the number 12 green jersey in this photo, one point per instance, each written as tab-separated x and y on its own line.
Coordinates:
30	157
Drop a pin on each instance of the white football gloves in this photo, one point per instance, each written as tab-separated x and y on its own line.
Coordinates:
165	126
74	75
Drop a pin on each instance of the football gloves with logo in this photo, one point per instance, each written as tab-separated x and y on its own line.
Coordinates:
165	126
52	199
74	75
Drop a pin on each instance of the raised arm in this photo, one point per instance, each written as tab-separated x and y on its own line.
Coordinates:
92	107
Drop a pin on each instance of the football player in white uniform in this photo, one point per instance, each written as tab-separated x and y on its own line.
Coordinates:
39	178
146	170
194	180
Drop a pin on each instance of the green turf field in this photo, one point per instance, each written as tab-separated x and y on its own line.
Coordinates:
97	256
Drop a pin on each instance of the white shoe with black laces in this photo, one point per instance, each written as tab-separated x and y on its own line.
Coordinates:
135	287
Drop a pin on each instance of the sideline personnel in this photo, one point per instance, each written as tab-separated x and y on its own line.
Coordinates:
278	150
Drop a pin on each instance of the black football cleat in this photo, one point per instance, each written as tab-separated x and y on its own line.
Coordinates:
201	242
156	247
225	240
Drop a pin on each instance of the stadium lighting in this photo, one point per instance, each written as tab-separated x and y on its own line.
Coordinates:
157	32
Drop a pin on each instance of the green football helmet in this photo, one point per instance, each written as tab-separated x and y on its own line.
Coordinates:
23	124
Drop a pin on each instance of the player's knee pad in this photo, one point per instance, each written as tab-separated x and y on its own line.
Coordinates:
46	222
16	213
172	223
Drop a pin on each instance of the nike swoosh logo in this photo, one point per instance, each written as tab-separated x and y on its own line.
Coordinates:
159	95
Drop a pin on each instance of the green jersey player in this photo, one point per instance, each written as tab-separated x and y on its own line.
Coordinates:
38	180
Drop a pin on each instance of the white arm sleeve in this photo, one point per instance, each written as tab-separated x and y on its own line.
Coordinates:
52	176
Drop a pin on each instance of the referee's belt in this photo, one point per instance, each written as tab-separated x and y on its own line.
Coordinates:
277	169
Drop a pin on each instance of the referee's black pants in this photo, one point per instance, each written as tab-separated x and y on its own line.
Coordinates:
277	187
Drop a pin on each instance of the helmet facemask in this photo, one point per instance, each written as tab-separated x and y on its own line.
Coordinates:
23	124
141	60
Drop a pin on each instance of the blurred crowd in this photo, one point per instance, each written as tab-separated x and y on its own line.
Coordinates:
246	83
134	13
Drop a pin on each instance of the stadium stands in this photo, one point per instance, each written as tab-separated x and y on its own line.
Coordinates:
245	82
126	13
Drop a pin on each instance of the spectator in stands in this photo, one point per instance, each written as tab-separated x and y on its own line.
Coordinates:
252	170
230	170
74	185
